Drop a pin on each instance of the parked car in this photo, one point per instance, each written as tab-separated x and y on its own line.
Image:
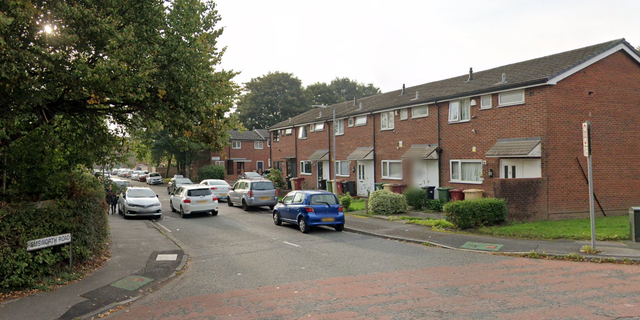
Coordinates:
135	174
121	185
219	187
177	182
308	208
142	176
253	193
121	171
139	202
192	199
154	178
114	172
250	176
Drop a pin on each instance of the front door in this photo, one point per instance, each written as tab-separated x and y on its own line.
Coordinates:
510	169
365	178
425	173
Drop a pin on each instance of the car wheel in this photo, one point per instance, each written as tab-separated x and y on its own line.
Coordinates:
168	192
271	207
339	227
171	206
245	207
302	224
229	203
214	213
182	213
276	218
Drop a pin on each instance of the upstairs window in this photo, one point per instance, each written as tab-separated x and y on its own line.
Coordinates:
511	98
339	129
319	126
350	122
404	114
312	128
459	110
419	112
386	120
258	145
361	121
485	102
276	136
287	132
302	132
236	144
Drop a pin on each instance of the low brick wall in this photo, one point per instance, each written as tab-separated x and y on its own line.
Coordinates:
526	198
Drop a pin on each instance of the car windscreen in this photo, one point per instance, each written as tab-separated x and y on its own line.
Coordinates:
252	175
267	185
154	174
198	192
217	183
141	193
323	199
184	181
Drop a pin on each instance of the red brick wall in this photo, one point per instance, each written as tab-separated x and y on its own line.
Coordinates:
527	198
353	137
286	147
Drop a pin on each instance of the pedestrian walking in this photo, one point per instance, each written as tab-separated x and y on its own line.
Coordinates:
112	200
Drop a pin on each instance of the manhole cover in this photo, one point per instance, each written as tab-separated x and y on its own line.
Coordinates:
481	246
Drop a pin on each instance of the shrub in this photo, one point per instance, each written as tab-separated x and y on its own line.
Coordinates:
211	172
385	202
275	176
435	204
345	201
81	212
476	213
415	197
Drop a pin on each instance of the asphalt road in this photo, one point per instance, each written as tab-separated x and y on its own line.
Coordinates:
242	266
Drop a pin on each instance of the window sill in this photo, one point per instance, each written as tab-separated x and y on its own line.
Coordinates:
340	134
466	182
339	175
486	108
463	121
391	178
389	129
511	104
305	174
418	117
302	138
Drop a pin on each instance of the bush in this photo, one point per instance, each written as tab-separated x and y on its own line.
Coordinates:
435	204
211	172
385	202
415	197
345	201
476	213
81	212
275	176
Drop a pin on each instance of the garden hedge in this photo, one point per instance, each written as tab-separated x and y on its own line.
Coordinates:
476	213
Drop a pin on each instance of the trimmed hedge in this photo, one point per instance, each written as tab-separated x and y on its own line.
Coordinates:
211	172
476	213
385	202
81	212
416	197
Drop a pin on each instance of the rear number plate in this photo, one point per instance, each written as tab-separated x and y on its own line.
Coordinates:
265	198
223	194
327	219
202	201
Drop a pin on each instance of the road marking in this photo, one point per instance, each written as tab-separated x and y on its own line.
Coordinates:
292	244
163	227
167	257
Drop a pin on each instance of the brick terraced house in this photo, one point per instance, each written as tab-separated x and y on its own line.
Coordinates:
513	131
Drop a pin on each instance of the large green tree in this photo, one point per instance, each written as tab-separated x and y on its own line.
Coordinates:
270	99
75	75
340	89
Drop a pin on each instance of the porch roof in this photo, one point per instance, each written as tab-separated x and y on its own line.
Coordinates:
522	147
362	153
421	151
320	155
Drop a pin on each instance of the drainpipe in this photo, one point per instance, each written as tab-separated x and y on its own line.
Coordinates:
373	122
329	147
270	154
439	148
295	137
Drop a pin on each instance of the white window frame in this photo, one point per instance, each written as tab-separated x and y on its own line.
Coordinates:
319	126
404	114
340	170
236	144
413	113
302	167
513	93
386	121
288	132
455	108
351	121
385	169
457	164
339	128
258	166
312	127
361	121
258	145
483	105
302	132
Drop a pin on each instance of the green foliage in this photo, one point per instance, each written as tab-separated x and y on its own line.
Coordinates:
275	176
345	201
340	89
434	223
435	204
416	197
211	172
271	99
80	211
385	202
476	213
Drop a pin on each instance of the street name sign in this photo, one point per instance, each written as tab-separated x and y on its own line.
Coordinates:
48	242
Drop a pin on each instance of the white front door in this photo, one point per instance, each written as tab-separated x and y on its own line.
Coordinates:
365	178
425	173
520	168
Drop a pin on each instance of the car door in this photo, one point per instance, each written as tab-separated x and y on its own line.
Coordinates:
297	205
233	194
174	199
284	209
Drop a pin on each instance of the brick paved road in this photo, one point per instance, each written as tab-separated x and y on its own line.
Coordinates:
510	289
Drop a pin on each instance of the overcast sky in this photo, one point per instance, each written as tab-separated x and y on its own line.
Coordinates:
394	42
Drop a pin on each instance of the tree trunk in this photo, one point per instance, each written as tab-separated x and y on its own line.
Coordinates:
168	166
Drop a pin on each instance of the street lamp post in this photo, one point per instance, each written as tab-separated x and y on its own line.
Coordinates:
333	153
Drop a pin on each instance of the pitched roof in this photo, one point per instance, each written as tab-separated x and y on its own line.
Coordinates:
539	71
247	135
524	147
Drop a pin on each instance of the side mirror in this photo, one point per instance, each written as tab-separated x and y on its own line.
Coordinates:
280	201
157	196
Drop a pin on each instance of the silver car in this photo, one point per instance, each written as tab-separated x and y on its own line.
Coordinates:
192	199
253	193
219	187
154	178
139	202
173	185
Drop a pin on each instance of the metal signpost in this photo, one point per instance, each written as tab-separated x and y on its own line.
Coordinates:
586	147
52	241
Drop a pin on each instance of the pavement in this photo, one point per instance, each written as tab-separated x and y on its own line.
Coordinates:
143	258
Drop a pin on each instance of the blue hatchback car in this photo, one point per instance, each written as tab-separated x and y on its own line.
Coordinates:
308	208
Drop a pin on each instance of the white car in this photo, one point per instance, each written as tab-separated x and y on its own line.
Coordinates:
219	187
192	199
154	178
139	202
